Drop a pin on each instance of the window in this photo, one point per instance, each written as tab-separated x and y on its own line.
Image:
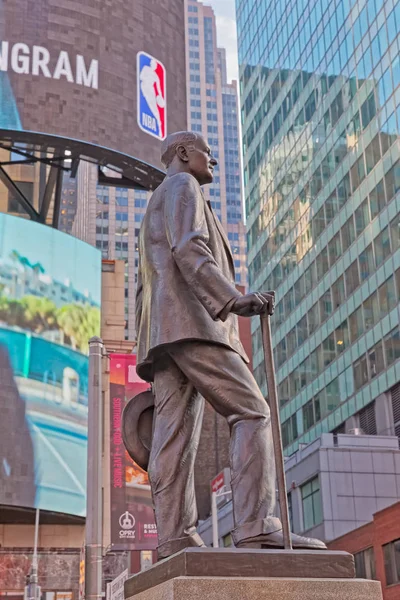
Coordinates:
375	359
281	352
348	233
382	246
334	249
329	350
308	415
365	564
289	431
377	200
395	233
391	554
291	342
322	263
283	392
338	293
392	346
356	324
360	372
387	297
342	336
302	330
361	217
313	319
352	278
366	259
319	223
332	395
311	501
325	305
371	311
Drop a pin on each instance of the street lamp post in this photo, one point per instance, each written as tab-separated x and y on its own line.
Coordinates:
32	589
94	521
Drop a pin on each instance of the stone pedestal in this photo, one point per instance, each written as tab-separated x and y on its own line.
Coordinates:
252	588
243	574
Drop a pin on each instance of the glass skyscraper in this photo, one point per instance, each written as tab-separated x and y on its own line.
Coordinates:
320	101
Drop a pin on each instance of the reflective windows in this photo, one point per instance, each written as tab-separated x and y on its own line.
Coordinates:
311	503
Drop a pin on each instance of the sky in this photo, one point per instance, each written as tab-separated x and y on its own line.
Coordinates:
226	32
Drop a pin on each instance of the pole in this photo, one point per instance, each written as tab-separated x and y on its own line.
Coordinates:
94	520
33	577
276	427
214	519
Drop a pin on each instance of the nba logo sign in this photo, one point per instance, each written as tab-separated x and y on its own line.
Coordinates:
151	96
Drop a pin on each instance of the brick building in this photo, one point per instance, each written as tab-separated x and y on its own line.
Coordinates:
376	549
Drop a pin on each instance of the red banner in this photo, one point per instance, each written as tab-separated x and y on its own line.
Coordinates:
132	518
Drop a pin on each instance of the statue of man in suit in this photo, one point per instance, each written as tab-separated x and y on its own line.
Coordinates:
189	347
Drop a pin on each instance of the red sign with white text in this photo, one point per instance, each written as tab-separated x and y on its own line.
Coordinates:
132	518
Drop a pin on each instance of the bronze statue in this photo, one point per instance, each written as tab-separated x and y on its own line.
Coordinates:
189	348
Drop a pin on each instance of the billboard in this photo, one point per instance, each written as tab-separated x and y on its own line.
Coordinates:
132	518
50	289
152	102
71	70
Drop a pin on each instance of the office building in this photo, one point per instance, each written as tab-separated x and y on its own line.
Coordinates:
335	485
213	112
320	101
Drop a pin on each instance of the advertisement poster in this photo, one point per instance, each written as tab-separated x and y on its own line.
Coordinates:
132	518
50	290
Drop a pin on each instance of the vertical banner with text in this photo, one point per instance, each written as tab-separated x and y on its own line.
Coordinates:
132	518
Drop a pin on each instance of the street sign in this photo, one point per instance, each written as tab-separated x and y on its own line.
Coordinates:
115	589
222	482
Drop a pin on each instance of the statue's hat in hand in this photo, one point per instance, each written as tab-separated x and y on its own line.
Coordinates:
137	427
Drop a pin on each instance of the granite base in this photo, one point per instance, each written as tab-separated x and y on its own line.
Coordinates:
236	588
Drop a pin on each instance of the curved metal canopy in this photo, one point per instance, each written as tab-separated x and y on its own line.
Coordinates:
63	155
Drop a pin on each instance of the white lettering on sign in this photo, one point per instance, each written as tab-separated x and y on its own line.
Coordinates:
20	59
40	60
63	67
149	122
90	77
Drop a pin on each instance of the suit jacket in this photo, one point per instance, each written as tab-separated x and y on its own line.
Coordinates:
186	274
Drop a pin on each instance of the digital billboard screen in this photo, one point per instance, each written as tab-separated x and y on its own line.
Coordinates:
50	292
115	78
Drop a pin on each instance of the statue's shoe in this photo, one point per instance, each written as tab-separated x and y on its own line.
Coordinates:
275	540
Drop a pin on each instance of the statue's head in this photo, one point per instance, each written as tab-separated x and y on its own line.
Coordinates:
185	151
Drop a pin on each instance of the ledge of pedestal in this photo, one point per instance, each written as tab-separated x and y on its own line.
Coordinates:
251	588
226	563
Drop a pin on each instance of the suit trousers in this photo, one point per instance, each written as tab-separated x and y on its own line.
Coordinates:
184	375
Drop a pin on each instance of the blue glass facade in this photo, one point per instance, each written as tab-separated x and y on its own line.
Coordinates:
321	122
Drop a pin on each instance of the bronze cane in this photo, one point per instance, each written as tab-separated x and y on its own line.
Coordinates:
276	427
